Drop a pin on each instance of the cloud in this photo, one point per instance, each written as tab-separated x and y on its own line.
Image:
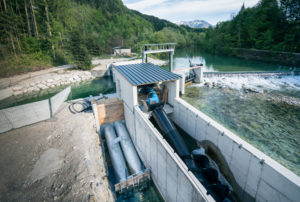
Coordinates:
212	11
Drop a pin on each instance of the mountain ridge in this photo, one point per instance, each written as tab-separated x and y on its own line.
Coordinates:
195	23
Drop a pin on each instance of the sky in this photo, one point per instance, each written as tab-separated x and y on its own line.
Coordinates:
212	11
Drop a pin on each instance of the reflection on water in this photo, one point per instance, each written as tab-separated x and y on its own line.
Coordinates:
79	90
272	127
220	63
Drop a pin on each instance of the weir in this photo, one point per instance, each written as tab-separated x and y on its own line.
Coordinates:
247	74
253	175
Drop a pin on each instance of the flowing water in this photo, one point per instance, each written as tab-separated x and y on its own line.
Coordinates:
263	111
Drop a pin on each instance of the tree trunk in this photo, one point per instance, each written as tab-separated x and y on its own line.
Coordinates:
27	18
13	45
36	32
1	6
48	20
4	3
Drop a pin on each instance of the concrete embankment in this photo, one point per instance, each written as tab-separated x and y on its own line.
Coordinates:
256	175
55	160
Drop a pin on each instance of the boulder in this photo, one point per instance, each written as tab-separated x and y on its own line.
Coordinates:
49	80
17	88
16	93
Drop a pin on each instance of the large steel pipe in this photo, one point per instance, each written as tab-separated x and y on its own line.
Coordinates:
115	153
171	134
129	151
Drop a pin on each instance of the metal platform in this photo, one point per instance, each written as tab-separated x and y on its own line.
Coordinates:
134	181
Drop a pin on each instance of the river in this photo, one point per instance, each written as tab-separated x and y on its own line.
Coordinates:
263	111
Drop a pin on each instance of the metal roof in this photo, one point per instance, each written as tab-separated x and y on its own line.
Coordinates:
145	73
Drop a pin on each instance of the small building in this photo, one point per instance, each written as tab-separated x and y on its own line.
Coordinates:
121	51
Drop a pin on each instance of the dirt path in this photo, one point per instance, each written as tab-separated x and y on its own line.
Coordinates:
55	160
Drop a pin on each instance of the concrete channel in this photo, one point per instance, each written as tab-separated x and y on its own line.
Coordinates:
253	175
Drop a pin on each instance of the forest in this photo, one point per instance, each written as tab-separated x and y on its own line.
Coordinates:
37	34
270	25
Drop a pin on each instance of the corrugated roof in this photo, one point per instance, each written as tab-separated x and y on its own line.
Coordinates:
145	73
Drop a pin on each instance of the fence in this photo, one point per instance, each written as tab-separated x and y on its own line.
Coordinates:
23	115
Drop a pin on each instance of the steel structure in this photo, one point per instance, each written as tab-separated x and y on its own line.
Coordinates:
159	48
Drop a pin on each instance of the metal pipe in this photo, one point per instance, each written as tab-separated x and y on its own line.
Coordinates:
171	134
129	151
115	153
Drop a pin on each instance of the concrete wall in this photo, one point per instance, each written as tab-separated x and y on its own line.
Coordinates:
260	176
59	98
23	115
173	90
168	171
125	90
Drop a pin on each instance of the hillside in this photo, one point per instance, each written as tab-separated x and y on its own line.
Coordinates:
195	23
270	25
36	34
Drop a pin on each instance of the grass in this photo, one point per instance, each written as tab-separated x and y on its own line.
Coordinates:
23	63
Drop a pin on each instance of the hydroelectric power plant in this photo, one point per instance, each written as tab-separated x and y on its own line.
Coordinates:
225	168
151	132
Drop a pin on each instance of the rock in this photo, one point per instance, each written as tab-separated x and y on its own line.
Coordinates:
45	87
43	82
57	78
40	86
35	89
50	80
17	88
16	93
207	84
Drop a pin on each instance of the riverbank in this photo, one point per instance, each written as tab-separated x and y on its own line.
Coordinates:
282	58
55	160
32	82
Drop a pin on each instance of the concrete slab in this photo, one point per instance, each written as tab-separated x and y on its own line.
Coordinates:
280	183
5	93
268	193
201	126
5	123
212	134
171	180
254	175
162	167
185	187
225	144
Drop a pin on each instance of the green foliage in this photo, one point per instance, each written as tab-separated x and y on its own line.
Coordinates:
72	31
267	26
